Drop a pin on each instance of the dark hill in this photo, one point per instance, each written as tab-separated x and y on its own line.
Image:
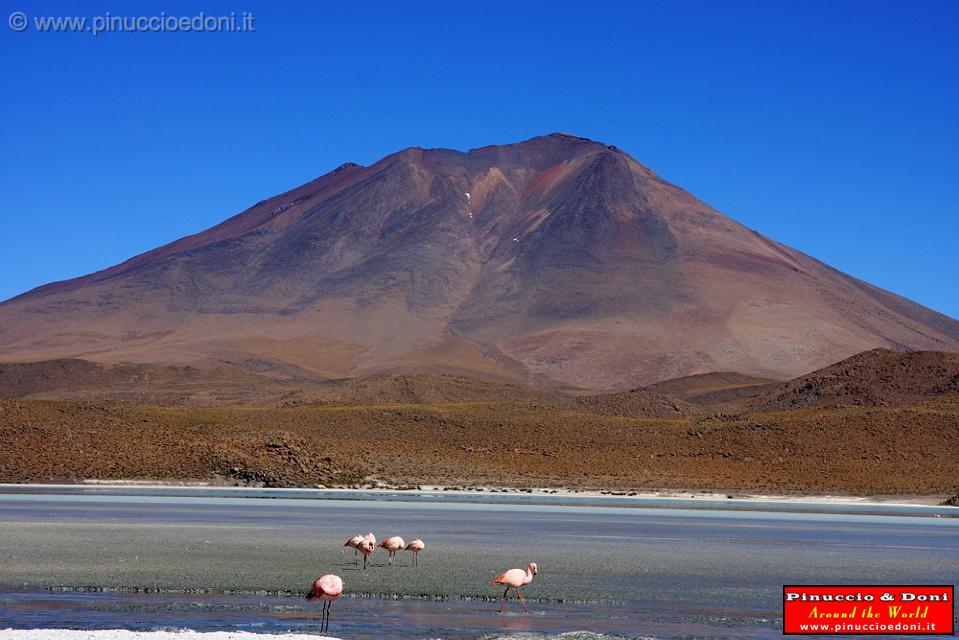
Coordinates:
879	377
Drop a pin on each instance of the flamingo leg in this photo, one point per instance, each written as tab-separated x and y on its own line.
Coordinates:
364	562
521	601
502	601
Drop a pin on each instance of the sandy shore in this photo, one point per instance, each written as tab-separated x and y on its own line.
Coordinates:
120	634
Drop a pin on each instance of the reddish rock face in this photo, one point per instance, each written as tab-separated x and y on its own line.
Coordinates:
568	263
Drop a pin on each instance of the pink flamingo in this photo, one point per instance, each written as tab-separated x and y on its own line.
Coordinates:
392	545
328	588
514	579
366	548
415	546
354	542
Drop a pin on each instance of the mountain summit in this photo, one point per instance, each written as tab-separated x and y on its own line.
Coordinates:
558	260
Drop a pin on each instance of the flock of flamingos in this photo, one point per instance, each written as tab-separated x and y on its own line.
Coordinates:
329	587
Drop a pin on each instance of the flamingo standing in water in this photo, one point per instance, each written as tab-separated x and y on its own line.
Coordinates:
514	579
354	542
392	545
328	588
415	546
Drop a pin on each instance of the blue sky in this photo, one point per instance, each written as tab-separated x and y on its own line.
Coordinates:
830	126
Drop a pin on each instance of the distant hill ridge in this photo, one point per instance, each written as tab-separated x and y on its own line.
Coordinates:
877	377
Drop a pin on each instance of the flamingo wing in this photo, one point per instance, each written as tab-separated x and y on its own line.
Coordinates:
500	579
513	578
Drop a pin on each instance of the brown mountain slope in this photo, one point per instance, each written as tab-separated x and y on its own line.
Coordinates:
556	260
879	377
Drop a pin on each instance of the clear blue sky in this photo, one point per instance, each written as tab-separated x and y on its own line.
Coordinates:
830	126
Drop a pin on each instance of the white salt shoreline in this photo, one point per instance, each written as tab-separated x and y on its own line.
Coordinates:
663	494
121	634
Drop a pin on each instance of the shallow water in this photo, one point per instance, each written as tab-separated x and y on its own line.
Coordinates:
235	563
486	497
368	618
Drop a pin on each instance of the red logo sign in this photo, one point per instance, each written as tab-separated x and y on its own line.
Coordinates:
852	609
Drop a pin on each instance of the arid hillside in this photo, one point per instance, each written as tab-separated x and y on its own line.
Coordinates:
854	450
855	430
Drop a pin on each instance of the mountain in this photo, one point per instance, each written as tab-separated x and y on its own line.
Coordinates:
558	261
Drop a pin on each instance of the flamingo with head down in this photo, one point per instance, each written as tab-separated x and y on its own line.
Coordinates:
415	546
366	548
354	542
392	545
328	588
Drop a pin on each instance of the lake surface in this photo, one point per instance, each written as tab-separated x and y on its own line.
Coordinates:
189	560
